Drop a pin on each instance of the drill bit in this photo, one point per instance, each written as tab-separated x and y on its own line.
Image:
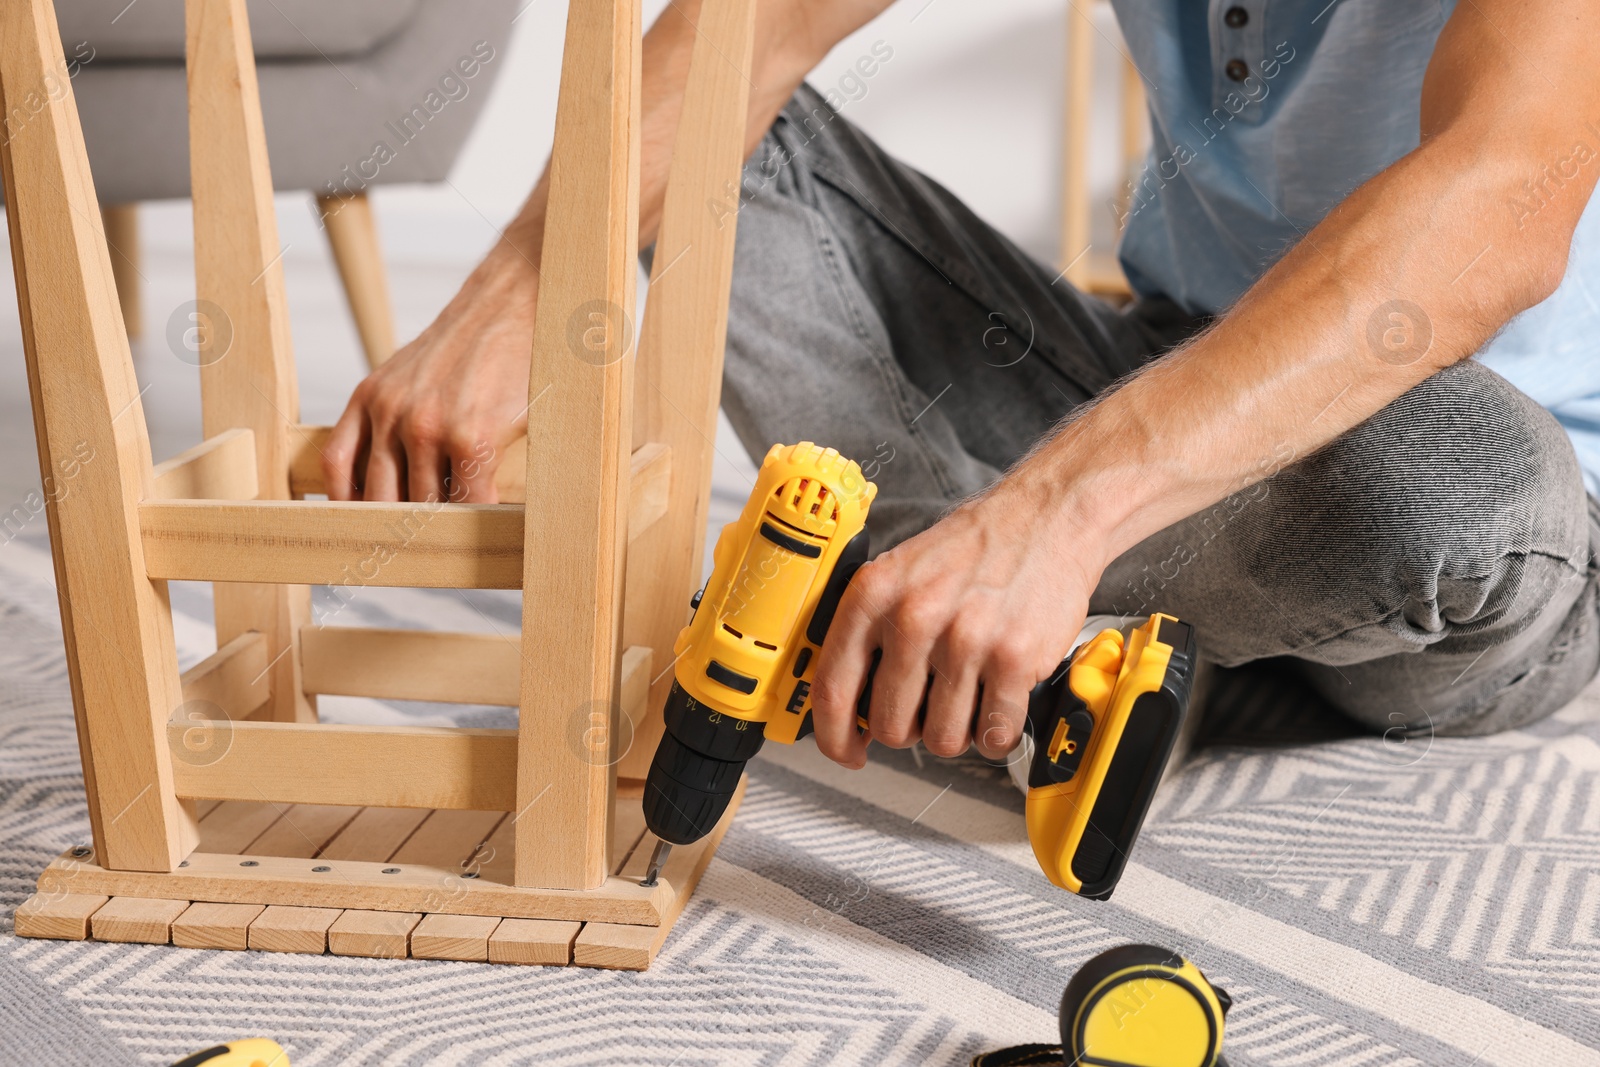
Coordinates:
657	858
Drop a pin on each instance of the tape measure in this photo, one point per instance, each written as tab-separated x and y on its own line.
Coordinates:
1132	1006
250	1052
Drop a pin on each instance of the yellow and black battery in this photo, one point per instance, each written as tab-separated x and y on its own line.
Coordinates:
1103	729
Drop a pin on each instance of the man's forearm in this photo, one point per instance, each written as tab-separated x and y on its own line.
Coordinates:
1346	323
789	41
417	428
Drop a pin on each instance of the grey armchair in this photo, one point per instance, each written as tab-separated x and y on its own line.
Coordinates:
354	93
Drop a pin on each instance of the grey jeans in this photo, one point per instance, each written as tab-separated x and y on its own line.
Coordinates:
1432	569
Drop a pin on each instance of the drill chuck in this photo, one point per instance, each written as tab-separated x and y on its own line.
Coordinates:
696	768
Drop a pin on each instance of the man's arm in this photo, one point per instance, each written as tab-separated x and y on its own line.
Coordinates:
449	403
992	594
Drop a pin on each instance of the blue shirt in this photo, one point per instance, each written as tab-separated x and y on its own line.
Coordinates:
1267	113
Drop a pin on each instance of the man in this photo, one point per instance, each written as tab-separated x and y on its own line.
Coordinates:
1284	441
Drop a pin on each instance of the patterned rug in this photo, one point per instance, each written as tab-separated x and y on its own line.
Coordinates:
1366	903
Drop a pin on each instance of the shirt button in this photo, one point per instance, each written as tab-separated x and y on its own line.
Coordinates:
1236	16
1237	70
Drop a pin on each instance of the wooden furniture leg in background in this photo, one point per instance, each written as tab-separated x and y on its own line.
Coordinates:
243	314
122	235
1135	137
1075	147
353	235
678	383
1095	271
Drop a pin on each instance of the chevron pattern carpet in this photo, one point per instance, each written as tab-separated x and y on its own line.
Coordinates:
1366	904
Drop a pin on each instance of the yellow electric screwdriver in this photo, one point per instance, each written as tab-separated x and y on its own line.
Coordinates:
744	664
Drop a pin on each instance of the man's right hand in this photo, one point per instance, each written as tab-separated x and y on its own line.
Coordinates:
435	420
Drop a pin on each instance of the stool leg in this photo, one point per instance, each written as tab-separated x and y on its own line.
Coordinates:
678	382
94	460
580	458
238	266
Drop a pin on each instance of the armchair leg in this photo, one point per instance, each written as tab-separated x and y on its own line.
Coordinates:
122	235
354	237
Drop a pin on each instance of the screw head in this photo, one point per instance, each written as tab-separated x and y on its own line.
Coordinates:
248	863
183	863
469	874
391	870
321	870
80	851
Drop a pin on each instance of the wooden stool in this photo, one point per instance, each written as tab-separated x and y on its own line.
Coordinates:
222	811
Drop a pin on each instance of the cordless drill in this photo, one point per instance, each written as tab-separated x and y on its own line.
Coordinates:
743	666
1104	724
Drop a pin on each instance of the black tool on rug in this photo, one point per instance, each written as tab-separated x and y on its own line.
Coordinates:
1132	1006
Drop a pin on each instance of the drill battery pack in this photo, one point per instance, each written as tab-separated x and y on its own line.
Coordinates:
1103	729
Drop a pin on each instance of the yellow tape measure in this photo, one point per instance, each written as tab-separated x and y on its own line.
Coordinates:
249	1052
1131	1006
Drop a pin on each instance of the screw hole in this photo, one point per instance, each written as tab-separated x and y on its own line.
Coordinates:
183	863
469	874
81	851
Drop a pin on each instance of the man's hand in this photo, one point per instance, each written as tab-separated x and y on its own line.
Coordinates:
434	422
974	611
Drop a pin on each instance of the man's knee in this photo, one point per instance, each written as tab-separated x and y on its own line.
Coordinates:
1464	468
1448	506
